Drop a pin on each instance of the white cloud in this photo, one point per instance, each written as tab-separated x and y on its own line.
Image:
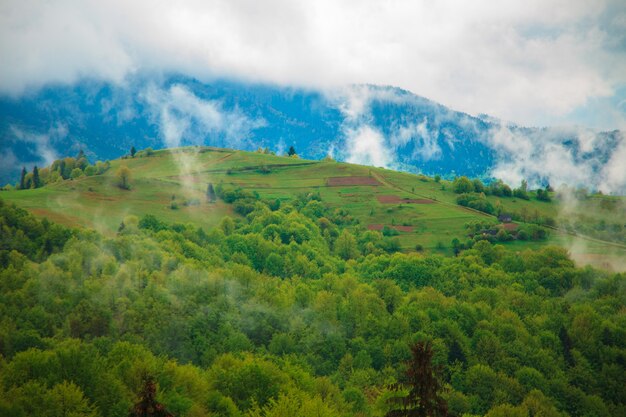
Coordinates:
425	140
542	155
366	146
184	118
613	176
530	61
43	142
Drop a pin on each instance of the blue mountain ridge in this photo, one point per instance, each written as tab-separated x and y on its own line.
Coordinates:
418	135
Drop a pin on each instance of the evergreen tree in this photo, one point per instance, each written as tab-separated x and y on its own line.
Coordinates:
62	170
147	406
210	193
423	399
23	178
36	180
292	151
133	151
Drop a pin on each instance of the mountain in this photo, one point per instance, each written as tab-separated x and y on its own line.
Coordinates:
371	125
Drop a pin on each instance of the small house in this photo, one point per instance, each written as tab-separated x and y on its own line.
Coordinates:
505	218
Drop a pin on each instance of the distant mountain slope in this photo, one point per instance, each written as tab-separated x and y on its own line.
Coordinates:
372	125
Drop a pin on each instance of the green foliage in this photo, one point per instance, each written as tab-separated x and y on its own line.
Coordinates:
462	185
476	201
123	177
21	232
295	309
59	170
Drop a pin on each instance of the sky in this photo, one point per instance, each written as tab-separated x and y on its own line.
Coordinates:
532	62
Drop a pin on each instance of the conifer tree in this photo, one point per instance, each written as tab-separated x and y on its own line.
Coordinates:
210	193
292	151
23	178
133	151
423	399
36	180
147	406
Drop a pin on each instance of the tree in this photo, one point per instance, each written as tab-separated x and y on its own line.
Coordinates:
210	193
123	177
23	178
292	151
423	399
76	173
67	399
36	179
346	246
462	185
147	406
478	186
133	151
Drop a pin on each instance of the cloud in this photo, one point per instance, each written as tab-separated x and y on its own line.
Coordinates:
43	143
425	140
366	146
529	61
613	175
39	148
556	155
185	118
572	156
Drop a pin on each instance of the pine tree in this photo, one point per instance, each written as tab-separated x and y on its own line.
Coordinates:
210	193
23	178
36	179
133	151
148	405
292	151
423	399
62	170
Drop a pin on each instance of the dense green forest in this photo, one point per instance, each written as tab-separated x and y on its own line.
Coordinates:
292	310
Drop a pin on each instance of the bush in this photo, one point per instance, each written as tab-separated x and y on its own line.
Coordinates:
476	201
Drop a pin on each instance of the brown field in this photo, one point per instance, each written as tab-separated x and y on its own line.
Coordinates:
346	181
394	199
509	227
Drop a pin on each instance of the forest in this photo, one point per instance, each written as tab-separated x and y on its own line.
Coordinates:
292	310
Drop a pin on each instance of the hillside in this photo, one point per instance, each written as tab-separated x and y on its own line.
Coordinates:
294	309
417	211
365	124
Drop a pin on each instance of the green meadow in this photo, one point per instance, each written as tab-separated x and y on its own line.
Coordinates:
429	218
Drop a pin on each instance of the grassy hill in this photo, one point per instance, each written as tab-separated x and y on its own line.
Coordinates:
423	211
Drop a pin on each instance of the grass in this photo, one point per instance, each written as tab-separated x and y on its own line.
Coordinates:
184	173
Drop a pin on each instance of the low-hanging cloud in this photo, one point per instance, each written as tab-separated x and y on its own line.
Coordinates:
425	140
41	144
366	143
529	61
184	118
576	157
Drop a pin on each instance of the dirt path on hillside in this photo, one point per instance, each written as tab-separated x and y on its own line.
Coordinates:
389	184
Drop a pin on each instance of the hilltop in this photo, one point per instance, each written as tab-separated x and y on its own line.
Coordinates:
419	212
365	124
